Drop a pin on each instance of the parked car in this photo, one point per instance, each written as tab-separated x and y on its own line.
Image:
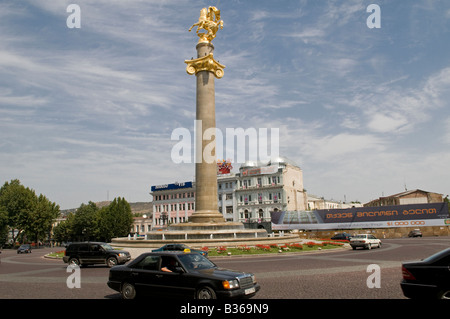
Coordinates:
24	249
342	236
428	278
415	233
365	241
90	253
180	274
180	247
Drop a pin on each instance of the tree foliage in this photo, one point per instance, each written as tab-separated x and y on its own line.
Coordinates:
92	223
31	216
115	220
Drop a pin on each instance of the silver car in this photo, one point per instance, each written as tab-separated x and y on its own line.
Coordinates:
365	241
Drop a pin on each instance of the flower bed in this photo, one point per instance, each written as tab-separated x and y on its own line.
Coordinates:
272	248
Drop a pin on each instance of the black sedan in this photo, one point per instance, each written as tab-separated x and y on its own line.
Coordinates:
180	247
429	278
180	274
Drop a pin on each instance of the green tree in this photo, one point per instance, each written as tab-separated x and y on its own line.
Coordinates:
115	220
63	232
3	225
40	218
18	202
85	222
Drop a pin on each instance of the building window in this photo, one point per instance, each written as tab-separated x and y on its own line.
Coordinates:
261	213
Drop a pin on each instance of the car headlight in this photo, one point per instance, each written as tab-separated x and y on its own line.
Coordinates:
230	284
254	279
122	255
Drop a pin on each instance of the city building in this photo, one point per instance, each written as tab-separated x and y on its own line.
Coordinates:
263	188
141	225
226	190
415	196
247	196
172	203
316	202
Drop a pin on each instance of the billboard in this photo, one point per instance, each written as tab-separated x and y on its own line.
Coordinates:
433	214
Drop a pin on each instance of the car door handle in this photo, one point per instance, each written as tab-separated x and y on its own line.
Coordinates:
159	276
134	273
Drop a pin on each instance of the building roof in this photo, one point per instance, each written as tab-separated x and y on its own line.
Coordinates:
279	160
408	192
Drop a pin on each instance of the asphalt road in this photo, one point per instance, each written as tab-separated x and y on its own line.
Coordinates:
340	273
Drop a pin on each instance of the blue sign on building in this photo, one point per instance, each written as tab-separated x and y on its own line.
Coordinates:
171	186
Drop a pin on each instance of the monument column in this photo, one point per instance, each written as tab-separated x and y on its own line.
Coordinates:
206	69
205	168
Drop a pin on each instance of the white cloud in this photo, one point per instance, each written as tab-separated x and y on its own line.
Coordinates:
97	105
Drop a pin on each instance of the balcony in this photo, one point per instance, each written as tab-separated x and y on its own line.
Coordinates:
259	203
258	186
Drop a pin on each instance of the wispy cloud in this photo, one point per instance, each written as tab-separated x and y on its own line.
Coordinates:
97	105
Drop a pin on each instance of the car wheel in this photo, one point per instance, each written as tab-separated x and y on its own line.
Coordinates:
206	293
111	261
128	291
74	261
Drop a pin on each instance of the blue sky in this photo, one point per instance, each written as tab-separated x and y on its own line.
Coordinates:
88	113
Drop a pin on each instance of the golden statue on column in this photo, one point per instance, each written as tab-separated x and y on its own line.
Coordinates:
210	22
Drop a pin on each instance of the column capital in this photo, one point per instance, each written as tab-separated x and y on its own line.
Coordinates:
206	63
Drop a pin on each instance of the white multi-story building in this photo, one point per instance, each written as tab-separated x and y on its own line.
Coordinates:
266	187
226	190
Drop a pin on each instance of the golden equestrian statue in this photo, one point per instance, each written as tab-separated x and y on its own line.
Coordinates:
210	22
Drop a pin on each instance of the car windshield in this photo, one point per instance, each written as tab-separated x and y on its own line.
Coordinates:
106	247
360	236
196	262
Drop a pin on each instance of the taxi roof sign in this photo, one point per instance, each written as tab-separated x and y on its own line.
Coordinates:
187	250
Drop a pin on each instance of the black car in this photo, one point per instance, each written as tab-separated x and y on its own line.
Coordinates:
24	249
342	236
180	247
180	274
90	253
429	278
